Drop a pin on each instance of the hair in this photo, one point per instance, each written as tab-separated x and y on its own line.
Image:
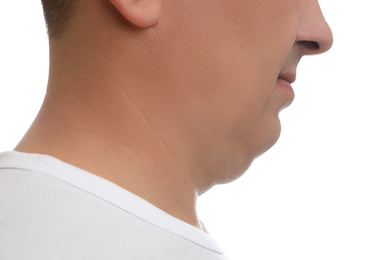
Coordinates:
58	15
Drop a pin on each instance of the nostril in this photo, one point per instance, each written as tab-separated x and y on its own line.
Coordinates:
310	45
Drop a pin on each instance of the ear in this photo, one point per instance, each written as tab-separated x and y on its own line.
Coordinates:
141	13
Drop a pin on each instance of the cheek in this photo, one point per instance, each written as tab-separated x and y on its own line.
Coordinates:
227	54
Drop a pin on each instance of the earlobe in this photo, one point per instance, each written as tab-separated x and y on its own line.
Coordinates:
141	13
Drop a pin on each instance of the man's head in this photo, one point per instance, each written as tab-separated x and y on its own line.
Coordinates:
58	15
209	76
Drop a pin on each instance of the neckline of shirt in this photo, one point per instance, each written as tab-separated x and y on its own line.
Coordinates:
109	192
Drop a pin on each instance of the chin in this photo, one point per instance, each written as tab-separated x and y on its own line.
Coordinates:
267	138
238	162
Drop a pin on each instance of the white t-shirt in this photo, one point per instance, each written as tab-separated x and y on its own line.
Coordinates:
50	210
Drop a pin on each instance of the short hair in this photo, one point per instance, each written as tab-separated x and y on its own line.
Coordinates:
58	15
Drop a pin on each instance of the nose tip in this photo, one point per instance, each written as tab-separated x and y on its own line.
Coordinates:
315	41
314	33
327	42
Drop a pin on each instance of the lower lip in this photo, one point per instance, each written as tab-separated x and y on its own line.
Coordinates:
286	86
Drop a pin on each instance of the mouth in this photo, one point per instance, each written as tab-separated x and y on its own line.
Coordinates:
284	82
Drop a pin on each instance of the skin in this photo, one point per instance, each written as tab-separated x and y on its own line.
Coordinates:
168	98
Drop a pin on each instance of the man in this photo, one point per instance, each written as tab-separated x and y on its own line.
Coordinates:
149	104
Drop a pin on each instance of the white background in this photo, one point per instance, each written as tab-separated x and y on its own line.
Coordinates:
322	192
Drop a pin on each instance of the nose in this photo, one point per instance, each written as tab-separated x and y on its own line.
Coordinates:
314	33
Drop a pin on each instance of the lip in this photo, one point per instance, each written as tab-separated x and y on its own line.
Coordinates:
289	77
284	82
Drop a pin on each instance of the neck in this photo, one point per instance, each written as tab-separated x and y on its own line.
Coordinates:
93	123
